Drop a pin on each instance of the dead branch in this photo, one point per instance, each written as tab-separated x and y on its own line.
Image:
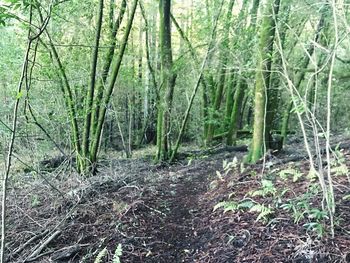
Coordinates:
36	252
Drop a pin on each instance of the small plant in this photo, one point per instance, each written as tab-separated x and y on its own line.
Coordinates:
116	258
35	201
297	213
227	206
315	227
264	212
228	166
285	174
117	254
101	255
268	188
339	166
317	214
234	206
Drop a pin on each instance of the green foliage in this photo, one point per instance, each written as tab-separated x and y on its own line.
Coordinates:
227	206
35	201
315	227
264	212
101	255
233	206
117	254
286	173
301	209
339	167
267	188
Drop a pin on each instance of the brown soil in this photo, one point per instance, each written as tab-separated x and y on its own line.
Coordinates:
165	214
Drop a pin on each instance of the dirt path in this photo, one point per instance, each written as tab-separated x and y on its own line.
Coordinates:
165	215
171	226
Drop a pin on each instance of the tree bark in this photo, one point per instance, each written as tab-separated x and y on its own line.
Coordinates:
110	87
91	91
222	75
262	80
168	79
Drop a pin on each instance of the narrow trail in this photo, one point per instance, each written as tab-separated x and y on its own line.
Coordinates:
171	226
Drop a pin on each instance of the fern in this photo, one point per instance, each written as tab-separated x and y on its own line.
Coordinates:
342	169
245	204
227	206
117	254
101	255
267	188
264	211
284	174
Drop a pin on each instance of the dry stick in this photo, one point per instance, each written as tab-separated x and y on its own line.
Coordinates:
39	256
60	223
331	205
293	89
9	155
14	129
7	127
31	240
194	92
43	245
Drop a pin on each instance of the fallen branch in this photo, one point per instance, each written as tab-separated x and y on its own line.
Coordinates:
31	240
39	256
36	252
67	252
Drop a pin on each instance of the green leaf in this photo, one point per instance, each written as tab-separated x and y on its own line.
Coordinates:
246	204
101	255
117	254
347	197
19	95
227	206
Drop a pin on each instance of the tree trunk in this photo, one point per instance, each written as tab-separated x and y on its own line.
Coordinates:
110	87
222	75
262	80
168	79
234	118
91	91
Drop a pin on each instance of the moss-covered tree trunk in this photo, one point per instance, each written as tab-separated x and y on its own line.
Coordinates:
90	93
168	80
222	75
236	109
273	96
262	79
110	87
101	83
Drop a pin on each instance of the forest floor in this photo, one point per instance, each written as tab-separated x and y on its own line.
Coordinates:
166	213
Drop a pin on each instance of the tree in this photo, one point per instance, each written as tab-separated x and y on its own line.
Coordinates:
262	80
216	100
168	82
